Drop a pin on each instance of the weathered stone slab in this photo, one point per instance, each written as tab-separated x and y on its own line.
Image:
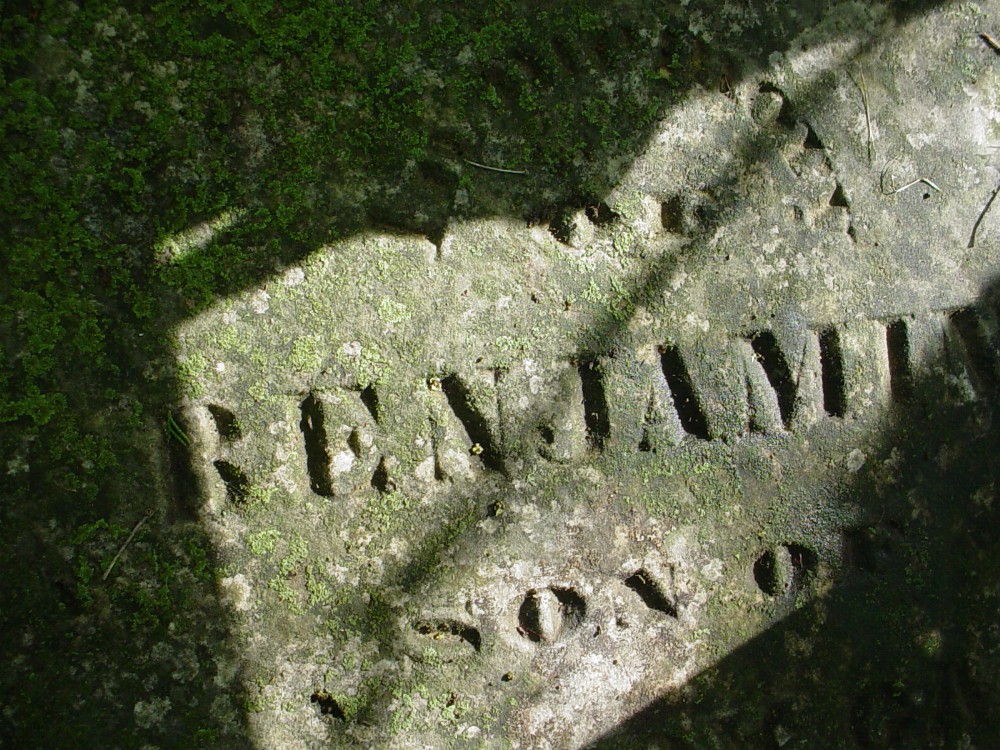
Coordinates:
505	489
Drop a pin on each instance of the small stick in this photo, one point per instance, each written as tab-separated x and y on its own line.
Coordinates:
907	186
131	536
990	42
982	215
885	171
863	88
494	169
176	431
726	87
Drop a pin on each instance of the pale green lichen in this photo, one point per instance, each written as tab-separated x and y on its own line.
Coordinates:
263	542
191	374
232	340
628	205
594	294
296	554
307	353
287	595
259	391
367	364
319	591
624	241
393	312
384	510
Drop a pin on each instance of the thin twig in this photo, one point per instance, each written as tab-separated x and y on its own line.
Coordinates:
918	181
885	171
982	215
907	186
990	41
494	169
863	88
176	431
131	536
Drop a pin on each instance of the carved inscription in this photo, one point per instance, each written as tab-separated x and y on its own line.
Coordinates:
765	382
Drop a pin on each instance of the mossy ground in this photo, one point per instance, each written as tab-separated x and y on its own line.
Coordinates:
122	129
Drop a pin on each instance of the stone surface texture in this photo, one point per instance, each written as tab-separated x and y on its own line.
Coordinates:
509	487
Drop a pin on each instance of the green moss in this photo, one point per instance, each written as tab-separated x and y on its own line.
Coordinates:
151	172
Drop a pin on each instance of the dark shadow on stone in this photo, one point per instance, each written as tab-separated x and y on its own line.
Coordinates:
513	98
902	652
327	705
317	451
651	592
476	426
831	359
595	405
408	153
778	374
682	392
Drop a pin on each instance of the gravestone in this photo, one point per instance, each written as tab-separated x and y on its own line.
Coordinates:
534	485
